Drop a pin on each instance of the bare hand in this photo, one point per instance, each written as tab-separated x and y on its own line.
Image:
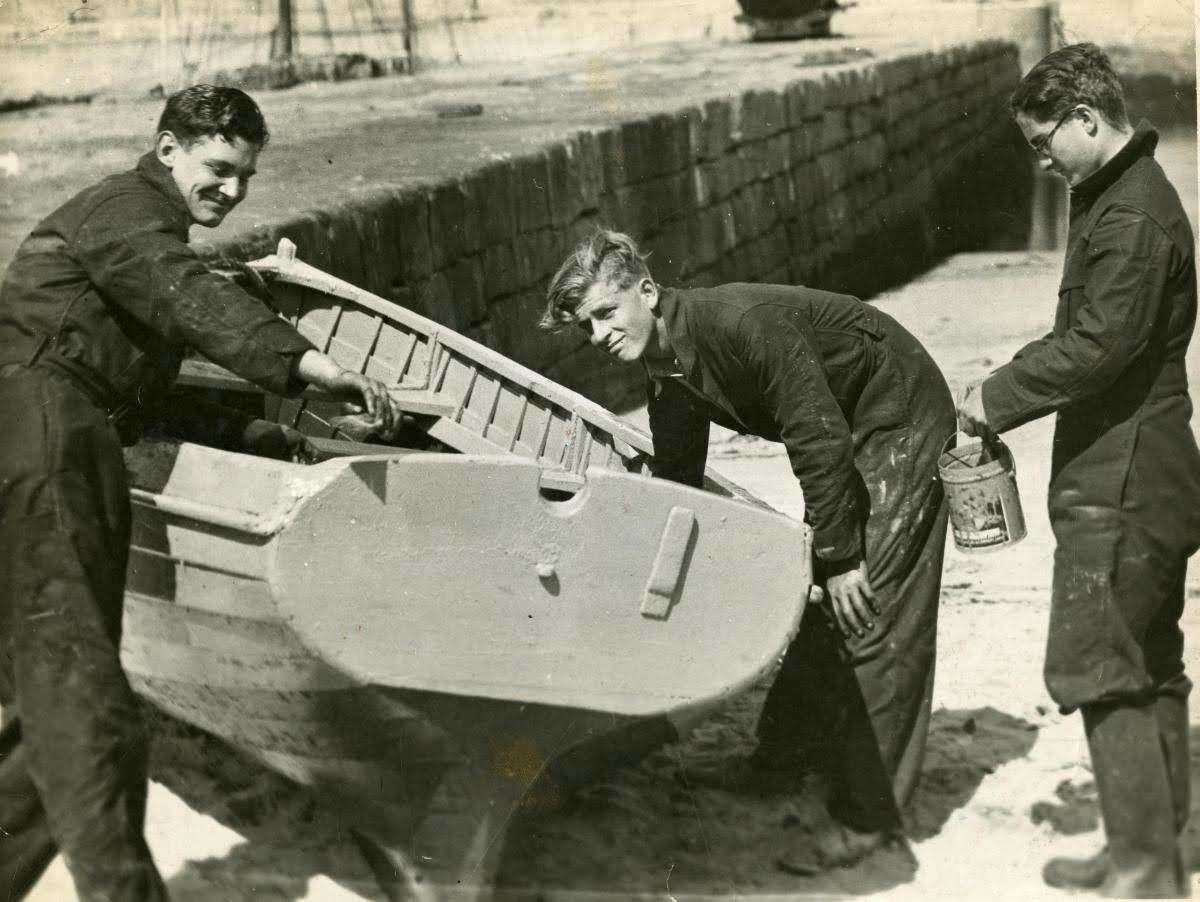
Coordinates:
972	419
367	395
853	601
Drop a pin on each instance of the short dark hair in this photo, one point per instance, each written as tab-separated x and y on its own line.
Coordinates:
606	256
203	111
1078	73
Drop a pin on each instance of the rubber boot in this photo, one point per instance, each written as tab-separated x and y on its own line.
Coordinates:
1171	711
1077	873
1135	801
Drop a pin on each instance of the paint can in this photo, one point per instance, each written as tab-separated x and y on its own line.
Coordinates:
980	480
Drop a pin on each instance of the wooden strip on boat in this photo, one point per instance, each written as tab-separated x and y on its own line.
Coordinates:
215	704
147	617
154	575
204	374
281	672
196	544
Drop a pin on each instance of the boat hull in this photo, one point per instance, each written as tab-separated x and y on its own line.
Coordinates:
371	628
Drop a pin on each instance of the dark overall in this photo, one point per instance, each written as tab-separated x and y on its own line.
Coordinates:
96	311
1124	493
863	412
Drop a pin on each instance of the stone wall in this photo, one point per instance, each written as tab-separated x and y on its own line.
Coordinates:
851	179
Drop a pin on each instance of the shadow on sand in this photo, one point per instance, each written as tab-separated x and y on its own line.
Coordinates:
643	829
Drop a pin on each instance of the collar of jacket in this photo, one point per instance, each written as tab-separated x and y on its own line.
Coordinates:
1142	144
670	305
153	171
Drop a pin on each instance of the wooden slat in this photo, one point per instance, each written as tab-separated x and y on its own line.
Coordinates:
203	374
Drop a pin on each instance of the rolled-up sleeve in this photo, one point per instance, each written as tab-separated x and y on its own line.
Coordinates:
129	249
1127	267
782	364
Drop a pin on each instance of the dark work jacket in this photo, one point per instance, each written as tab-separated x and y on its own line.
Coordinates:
1113	368
107	290
852	396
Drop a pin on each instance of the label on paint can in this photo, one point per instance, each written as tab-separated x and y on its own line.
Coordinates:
987	528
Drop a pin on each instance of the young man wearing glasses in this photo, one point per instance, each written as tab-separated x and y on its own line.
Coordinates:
1124	493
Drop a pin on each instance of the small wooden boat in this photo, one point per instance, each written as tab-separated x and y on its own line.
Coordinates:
420	636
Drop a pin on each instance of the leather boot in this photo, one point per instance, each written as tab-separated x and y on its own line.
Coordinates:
1135	801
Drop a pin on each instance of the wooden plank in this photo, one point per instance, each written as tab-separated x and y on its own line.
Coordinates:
204	374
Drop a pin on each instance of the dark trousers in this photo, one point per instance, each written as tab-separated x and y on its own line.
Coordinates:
857	711
73	762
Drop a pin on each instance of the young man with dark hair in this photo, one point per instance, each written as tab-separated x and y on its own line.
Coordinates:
96	312
863	413
1125	477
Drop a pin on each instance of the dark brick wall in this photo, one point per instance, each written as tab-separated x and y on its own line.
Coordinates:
852	180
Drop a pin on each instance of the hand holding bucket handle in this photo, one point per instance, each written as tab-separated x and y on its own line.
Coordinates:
980	481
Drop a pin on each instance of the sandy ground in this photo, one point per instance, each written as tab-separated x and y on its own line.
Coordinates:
1005	783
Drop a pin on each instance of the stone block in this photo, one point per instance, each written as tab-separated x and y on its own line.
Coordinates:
802	142
637	139
833	170
763	114
531	200
692	120
590	166
412	231
465	279
834	130
525	259
669	144
552	249
493	194
718	128
746	214
860	121
701	190
798	103
673	257
706	236
725	219
612	158
783	195
778	153
434	298
500	276
807	187
562	195
752	158
764	200
447	212
632	212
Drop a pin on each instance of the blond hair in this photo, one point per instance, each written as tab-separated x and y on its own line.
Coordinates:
607	256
